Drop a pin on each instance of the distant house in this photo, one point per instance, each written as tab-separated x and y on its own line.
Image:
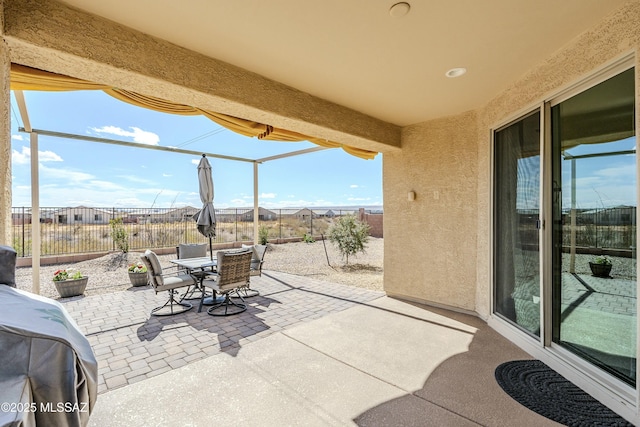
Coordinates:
176	215
323	213
226	215
80	215
304	214
22	217
263	215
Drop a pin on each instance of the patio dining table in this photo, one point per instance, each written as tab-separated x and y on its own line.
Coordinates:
199	267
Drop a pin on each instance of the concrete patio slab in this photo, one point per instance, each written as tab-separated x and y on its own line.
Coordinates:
381	363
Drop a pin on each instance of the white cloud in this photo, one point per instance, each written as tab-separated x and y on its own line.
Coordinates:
59	173
136	179
618	171
354	186
21	158
140	136
267	196
98	185
17	137
24	157
48	156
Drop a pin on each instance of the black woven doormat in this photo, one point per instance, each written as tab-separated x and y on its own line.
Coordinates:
541	389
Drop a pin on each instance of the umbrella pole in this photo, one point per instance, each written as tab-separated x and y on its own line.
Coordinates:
210	249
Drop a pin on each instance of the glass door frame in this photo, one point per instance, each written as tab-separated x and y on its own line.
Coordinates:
603	386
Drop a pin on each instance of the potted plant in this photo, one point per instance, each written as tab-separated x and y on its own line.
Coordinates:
600	266
138	274
70	283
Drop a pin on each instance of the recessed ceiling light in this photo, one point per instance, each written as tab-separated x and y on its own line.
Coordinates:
398	10
455	72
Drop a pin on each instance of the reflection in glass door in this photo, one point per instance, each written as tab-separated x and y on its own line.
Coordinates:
594	221
516	215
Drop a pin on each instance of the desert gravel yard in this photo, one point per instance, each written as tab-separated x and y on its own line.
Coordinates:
109	273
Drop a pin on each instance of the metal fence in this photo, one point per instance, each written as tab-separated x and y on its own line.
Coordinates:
605	228
74	230
602	228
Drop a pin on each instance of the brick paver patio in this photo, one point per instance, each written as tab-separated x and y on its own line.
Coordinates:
130	345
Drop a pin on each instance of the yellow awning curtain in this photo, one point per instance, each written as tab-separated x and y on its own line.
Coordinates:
27	78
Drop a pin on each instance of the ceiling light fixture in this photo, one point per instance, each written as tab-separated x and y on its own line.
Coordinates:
399	10
455	72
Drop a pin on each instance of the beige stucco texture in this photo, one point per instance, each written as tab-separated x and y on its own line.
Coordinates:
438	247
5	148
430	242
44	34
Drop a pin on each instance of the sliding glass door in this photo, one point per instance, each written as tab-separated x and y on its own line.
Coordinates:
584	258
516	220
594	221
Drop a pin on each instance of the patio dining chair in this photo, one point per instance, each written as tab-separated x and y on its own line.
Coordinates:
192	250
257	259
233	271
166	282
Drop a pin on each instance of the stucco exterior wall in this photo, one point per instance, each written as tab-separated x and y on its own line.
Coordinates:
52	36
438	247
616	36
430	242
5	148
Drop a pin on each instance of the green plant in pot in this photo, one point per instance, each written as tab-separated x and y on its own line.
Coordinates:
600	266
137	274
70	283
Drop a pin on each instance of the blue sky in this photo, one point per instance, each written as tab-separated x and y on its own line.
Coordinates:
76	173
601	182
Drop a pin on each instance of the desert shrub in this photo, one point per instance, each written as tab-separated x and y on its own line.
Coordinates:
22	249
308	238
263	235
119	234
349	235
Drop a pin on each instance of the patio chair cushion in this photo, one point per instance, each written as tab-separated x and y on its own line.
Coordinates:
191	250
257	258
166	283
154	270
172	282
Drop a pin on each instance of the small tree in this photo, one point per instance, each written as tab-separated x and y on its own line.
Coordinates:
263	235
119	234
349	234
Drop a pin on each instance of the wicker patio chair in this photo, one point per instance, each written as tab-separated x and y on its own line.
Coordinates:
233	272
166	282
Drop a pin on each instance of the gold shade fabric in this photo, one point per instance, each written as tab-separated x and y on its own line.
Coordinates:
27	78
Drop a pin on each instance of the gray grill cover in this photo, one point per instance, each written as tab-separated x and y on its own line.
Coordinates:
46	363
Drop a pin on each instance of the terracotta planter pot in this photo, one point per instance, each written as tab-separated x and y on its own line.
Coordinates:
138	279
71	287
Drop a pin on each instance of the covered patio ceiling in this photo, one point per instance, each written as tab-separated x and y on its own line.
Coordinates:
359	55
350	73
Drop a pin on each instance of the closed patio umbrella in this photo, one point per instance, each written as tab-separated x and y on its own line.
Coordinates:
206	217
